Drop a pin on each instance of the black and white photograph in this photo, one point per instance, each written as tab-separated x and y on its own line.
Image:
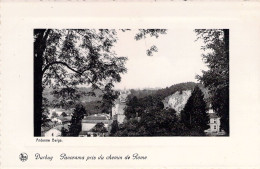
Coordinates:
131	82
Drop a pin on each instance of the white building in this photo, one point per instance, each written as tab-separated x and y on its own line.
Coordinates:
214	124
89	122
53	133
59	111
118	110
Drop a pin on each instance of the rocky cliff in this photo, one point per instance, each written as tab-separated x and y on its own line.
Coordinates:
177	101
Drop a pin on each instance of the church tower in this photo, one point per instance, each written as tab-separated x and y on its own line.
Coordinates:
118	110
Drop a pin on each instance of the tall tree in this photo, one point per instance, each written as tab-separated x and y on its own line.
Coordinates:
64	59
64	131
216	79
99	128
133	107
194	115
114	128
77	116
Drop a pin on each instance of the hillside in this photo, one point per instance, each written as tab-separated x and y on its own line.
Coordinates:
174	96
165	92
47	93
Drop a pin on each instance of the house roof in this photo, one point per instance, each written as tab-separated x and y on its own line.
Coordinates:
47	127
96	121
59	127
97	117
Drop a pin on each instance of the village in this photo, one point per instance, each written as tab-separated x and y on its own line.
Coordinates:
62	117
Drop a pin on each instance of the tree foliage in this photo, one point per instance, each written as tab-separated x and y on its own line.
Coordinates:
164	92
194	115
67	58
77	57
143	33
75	123
216	79
114	127
64	59
153	123
137	107
147	117
64	114
99	128
64	131
54	114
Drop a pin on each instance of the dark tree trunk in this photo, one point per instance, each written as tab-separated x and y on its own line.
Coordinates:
225	118
39	48
226	40
37	96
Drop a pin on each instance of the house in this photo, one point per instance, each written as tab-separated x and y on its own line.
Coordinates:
59	111
89	124
53	132
214	124
48	125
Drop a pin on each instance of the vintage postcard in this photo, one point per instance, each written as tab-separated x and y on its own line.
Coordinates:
111	84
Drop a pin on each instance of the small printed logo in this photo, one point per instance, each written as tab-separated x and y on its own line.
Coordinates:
23	157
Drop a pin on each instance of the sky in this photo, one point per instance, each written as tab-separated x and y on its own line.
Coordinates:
178	59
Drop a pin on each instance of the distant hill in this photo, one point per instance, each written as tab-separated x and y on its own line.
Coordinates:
47	93
91	103
165	92
162	93
174	96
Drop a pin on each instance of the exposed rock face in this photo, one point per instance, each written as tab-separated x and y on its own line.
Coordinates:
177	101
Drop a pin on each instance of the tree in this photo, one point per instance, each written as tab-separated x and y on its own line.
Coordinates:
133	107
216	79
153	119
64	114
77	116
137	107
153	123
194	115
54	114
160	123
64	131
114	128
99	128
143	33
64	59
129	128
